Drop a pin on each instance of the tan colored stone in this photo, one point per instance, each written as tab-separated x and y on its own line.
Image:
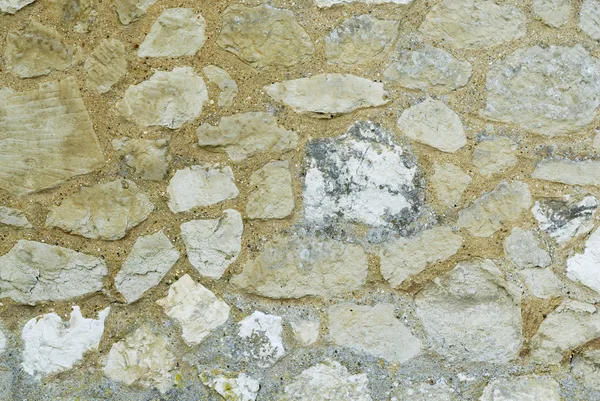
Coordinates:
149	158
495	154
586	172
271	196
449	183
522	248
78	15
132	10
105	67
224	82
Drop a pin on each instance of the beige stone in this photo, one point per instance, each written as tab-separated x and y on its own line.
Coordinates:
132	10
449	183
541	283
494	155
105	67
78	15
149	158
231	386
522	248
585	172
329	3
13	217
306	332
439	391
554	13
224	82
271	195
522	388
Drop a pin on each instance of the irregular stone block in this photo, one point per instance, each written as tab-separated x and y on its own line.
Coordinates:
78	15
522	388
541	283
132	10
554	13
306	332
494	155
105	67
449	183
589	18
569	172
224	82
263	338
12	6
585	267
567	217
329	3
584	368
523	249
149	158
13	217
271	196
230	386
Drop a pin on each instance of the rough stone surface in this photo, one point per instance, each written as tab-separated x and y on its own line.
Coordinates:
585	267
568	172
522	388
12	6
149	158
425	392
554	13
224	82
565	218
263	334
34	272
132	10
494	155
3	342
106	65
541	283
231	387
523	249
449	183
13	217
79	15
589	18
106	211
306	332
271	196
585	368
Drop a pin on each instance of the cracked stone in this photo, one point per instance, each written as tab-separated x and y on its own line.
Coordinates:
522	388
132	10
271	196
232	387
224	82
585	267
568	172
449	183
263	338
541	283
554	13
149	158
13	217
565	218
523	249
12	6
494	155
589	18
105	67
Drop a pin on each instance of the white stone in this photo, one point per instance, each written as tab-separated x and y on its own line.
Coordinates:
105	66
374	330
13	217
200	186
449	183
306	332
439	391
585	267
584	368
132	10
224	82
3	342
541	283
231	387
177	32
566	218
494	155
212	245
195	308
569	172
554	13
51	345
149	158
589	18
522	388
151	257
168	99
263	334
34	272
329	3
433	123
271	196
523	249
328	95
12	6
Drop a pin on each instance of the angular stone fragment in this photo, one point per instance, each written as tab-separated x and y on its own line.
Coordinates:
522	248
359	39
294	267
13	217
554	13
373	330
105	211
271	196
177	32
247	134
230	386
46	137
541	283
168	99
586	172
490	212
327	381
105	66
149	158
328	95
589	18
306	332
51	345
429	69
263	334
433	123
565	218
473	24
494	155
449	183
195	308
585	267
585	368
224	82
12	6
264	36
472	314
144	358
37	50
407	257
213	245
426	392
132	10
522	388
151	257
549	91
200	186
78	15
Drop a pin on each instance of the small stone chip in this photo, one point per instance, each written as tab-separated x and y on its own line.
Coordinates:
224	82
105	67
494	155
554	13
449	183
13	217
149	158
271	196
132	10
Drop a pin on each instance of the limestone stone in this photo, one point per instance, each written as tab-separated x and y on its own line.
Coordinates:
428	68
105	211
247	134
37	50
151	257
472	314
306	332
554	13
523	249
550	91
224	82
168	99
78	15
505	204
177	32
195	308
522	388
212	245
200	186
12	6
449	183
51	345
589	18
271	196
46	137
327	381
294	267
585	267
34	272
13	217
132	10
541	283
3	342
407	257
568	172
374	330
231	387
494	155
105	67
328	95
359	39
473	24
584	367
150	158
433	123
144	358
263	338
439	391
567	217
264	36
329	3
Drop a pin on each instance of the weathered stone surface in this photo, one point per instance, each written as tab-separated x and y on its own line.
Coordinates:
568	172
149	158
359	39
554	13
132	10
34	272
425	392
46	137
264	36
144	358
490	212
433	123
472	314
224	82
429	69
522	388
151	257
212	245
407	257
168	99
105	67
567	217
523	249
541	283
328	95
13	217
271	196
247	134
3	342
37	50
585	267
78	15
196	309
263	334
200	186
106	211
449	183
374	330
549	91
12	6
473	24
589	18
177	32
294	267
584	367
306	332
51	345
231	387
327	381
494	155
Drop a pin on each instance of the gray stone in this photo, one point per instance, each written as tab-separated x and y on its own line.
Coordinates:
585	267
585	368
541	283
271	196
554	13
149	158
232	387
589	18
568	172
522	248
105	67
494	155
439	391
12	6
224	82
449	183
132	10
522	388
567	217
262	337
13	217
